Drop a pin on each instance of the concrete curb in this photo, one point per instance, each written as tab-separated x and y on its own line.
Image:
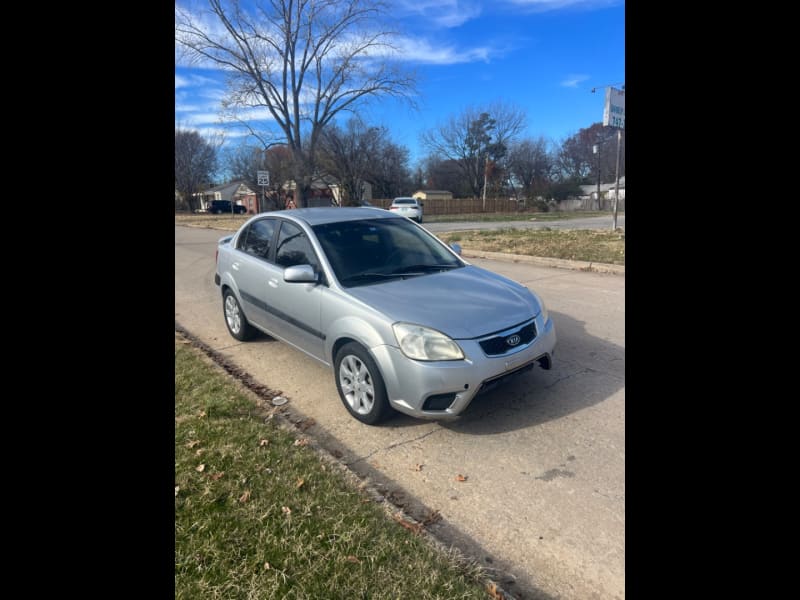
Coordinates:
560	263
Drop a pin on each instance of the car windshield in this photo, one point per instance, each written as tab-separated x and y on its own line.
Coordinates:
379	250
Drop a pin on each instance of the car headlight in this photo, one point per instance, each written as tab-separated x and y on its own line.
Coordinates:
422	343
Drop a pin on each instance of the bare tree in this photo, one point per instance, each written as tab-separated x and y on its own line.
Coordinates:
360	153
445	174
477	140
391	176
531	165
246	161
304	61
195	163
348	153
577	161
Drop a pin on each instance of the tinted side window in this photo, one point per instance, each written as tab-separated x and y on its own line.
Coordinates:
257	238
294	247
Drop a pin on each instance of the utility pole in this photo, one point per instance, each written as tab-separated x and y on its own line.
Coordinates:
485	172
614	115
596	149
616	190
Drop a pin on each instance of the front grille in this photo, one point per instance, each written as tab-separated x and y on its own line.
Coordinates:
498	344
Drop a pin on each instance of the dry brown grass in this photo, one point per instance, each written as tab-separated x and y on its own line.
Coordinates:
589	245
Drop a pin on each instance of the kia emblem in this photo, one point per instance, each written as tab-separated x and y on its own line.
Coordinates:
513	340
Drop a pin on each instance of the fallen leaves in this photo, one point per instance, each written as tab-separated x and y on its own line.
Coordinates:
192	443
461	477
300	482
286	510
415	528
263	443
216	476
244	497
301	442
494	593
353	559
266	566
177	489
202	414
418	467
200	468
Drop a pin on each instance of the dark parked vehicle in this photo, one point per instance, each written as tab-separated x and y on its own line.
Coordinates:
224	206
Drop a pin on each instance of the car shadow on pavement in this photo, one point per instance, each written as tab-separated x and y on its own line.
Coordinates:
586	371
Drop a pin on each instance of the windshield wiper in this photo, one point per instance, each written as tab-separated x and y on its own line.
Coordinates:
422	269
370	275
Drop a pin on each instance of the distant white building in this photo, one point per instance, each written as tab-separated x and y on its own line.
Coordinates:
607	190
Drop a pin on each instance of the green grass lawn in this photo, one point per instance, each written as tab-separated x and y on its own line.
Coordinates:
260	515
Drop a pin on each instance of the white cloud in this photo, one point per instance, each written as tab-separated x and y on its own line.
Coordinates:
422	51
573	80
545	5
445	13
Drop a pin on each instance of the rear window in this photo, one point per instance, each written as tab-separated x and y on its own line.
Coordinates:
405	201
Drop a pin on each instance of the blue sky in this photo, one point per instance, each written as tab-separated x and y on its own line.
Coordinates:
543	56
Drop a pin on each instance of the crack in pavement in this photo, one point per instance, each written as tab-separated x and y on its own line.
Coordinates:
392	446
560	379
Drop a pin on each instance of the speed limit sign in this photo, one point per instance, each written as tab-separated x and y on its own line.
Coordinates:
263	178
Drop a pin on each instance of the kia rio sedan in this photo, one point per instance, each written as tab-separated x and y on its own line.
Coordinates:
403	321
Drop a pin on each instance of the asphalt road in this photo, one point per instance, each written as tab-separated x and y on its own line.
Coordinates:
543	503
604	222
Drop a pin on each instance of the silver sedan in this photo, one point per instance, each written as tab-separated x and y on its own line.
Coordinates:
404	322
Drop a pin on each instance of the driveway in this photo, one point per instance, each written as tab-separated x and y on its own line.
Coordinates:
543	503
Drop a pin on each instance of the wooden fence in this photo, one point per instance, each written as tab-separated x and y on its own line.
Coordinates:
459	206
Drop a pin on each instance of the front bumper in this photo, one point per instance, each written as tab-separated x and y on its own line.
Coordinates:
453	384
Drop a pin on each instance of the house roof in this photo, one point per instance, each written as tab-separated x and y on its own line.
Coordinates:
228	190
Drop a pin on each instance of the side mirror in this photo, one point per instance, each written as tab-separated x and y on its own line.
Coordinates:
456	248
300	274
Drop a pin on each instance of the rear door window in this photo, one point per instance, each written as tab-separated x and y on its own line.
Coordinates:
256	240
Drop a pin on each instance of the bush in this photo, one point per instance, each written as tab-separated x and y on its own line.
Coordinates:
539	205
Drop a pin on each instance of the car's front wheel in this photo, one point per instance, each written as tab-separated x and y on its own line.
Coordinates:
360	384
235	319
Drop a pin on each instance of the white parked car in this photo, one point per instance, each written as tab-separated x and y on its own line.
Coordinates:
407	207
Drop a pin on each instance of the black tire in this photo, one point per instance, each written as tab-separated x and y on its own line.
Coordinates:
360	385
235	320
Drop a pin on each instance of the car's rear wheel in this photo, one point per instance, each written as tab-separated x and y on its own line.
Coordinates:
360	384
235	319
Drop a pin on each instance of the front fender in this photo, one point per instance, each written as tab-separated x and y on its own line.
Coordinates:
366	332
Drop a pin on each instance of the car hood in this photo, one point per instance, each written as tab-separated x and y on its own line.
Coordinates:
463	303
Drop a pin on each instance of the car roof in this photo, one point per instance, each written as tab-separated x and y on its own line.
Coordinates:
335	214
